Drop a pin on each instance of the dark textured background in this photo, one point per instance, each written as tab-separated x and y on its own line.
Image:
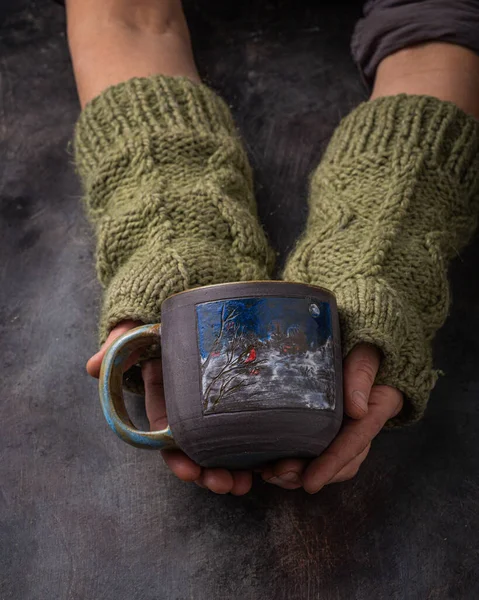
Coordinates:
84	516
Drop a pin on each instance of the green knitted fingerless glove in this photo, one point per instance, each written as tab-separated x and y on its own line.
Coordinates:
394	199
169	190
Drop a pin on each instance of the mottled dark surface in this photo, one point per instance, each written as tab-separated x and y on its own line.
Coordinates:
83	515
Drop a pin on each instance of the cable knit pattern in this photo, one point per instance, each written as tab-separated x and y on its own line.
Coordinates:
169	190
394	199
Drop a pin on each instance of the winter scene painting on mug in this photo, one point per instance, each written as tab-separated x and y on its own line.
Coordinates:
260	353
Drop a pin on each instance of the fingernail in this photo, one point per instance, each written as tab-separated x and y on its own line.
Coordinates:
359	398
290	477
274	480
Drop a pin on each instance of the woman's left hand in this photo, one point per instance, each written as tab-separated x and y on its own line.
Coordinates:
367	408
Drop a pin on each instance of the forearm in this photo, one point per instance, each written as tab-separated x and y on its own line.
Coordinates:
390	26
445	71
112	41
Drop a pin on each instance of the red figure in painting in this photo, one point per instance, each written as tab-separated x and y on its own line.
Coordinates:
250	359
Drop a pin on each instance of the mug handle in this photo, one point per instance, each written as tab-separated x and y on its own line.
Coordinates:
111	389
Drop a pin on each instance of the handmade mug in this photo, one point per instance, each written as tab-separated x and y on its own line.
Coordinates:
252	373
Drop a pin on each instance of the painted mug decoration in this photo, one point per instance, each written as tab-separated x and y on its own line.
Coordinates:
252	373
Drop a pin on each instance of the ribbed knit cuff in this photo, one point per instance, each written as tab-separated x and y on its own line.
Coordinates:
141	109
395	197
404	129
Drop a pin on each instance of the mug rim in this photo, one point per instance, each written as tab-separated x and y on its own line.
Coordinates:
253	281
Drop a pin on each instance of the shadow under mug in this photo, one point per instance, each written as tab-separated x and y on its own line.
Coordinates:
252	373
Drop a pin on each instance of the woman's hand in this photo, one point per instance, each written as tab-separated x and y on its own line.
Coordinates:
367	408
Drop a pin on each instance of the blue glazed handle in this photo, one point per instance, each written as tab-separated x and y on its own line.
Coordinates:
111	389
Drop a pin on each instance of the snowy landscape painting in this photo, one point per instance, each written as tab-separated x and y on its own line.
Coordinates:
263	353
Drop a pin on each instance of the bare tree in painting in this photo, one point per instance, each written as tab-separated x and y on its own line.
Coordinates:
225	319
227	367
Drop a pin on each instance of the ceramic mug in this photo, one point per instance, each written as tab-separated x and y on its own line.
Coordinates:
252	373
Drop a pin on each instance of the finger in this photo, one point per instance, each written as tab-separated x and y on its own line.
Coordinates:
93	366
285	473
219	481
360	370
181	465
352	468
243	480
353	439
177	461
380	390
154	394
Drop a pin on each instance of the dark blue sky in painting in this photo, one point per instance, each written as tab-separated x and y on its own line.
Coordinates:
264	315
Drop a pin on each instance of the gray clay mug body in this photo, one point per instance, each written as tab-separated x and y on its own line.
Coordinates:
252	373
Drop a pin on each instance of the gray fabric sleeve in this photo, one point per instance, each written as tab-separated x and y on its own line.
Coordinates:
390	25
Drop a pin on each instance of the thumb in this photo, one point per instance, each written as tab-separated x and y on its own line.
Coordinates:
93	366
360	370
